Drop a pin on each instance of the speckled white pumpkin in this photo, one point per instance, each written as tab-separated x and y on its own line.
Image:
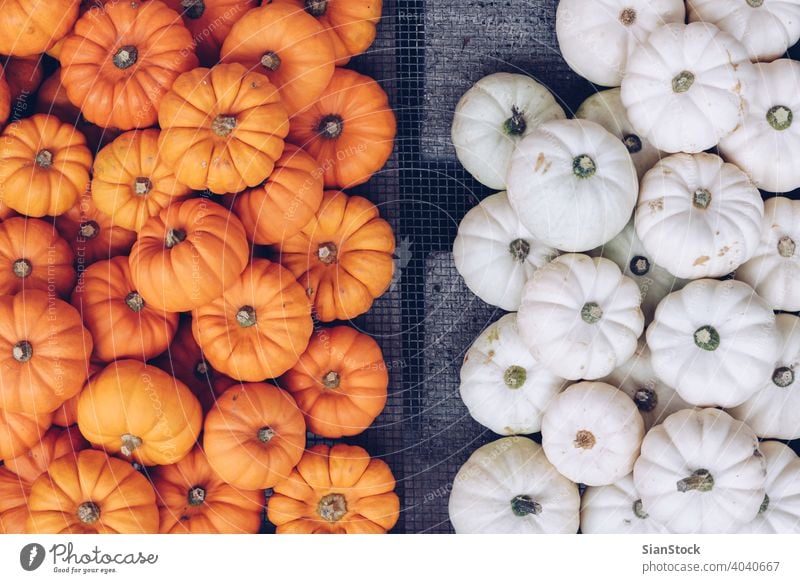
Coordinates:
698	216
573	184
580	316
714	341
774	411
780	511
701	472
596	37
509	487
502	384
591	433
683	88
616	509
491	247
492	117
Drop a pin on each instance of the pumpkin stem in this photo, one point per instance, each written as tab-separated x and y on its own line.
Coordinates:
638	510
707	338
786	246
125	57
135	302
270	60
88	230
755	3
584	439
515	376
583	166
201	370
633	143
627	16
783	376
682	82
519	249
174	236
700	480
780	118
516	124
142	185
130	443
523	505
327	253
246	316
317	7
331	380
44	158
764	505
196	496
640	265
265	434
591	313
330	127
22	351
332	507
701	199
22	268
646	399
193	8
223	125
88	513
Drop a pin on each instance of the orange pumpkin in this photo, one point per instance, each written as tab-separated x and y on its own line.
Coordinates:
130	181
33	256
14	493
209	22
350	24
19	432
44	349
254	436
5	100
259	327
91	234
23	35
340	382
6	212
185	361
188	254
67	414
141	412
121	59
350	129
44	156
23	75
285	202
193	499
288	46
83	7
336	490
92	494
222	128
343	257
55	443
122	323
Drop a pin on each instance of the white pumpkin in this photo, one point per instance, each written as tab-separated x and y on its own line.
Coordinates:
502	384
605	108
684	87
573	184
774	269
701	472
655	282
591	433
765	27
698	216
492	247
714	341
616	509
780	511
774	411
580	317
492	117
596	37
509	487
636	378
767	144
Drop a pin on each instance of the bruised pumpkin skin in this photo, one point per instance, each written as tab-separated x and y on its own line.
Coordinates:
93	494
335	490
22	35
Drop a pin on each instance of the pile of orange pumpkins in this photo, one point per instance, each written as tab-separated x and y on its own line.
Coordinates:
173	235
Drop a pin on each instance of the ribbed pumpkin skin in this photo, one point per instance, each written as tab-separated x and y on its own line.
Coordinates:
24	36
19	432
14	494
23	75
57	442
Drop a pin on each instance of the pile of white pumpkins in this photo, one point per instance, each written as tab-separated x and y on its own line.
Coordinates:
643	270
